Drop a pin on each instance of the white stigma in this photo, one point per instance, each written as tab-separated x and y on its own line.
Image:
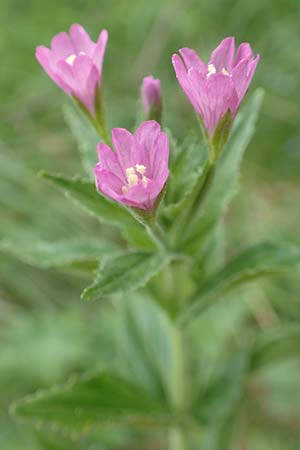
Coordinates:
211	70
133	178
71	58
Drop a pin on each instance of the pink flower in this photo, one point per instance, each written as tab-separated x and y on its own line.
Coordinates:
136	173
74	63
219	86
151	94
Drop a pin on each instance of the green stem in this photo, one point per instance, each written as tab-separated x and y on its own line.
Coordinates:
101	129
157	235
176	439
178	394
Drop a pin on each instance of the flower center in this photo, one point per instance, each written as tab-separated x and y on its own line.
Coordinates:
134	175
71	58
212	70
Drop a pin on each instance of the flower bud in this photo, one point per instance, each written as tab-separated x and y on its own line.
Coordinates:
151	98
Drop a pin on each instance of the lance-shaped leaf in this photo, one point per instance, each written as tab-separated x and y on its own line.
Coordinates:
84	193
80	253
147	345
124	273
218	406
86	137
263	259
275	346
91	401
223	185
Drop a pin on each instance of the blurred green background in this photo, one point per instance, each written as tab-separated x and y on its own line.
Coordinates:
46	331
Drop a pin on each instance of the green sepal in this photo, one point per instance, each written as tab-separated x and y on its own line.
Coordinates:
155	113
220	135
97	120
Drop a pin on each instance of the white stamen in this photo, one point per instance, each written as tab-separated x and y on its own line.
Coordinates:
130	171
140	168
132	179
70	59
225	72
211	70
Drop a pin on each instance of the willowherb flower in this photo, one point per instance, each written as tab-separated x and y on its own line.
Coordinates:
151	97
74	63
218	87
135	174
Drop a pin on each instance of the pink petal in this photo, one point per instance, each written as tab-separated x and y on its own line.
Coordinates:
191	59
65	71
243	52
146	136
99	50
81	40
144	197
86	76
223	56
217	98
109	161
62	46
43	56
242	75
160	157
125	145
184	81
108	183
252	67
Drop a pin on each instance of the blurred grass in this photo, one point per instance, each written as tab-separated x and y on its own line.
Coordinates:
45	330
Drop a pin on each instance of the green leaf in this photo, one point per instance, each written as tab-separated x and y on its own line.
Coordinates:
56	441
218	407
147	345
223	185
262	259
91	401
85	135
188	166
275	346
125	273
83	252
84	193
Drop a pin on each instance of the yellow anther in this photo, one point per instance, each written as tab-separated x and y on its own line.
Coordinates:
140	168
132	179
144	181
225	72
